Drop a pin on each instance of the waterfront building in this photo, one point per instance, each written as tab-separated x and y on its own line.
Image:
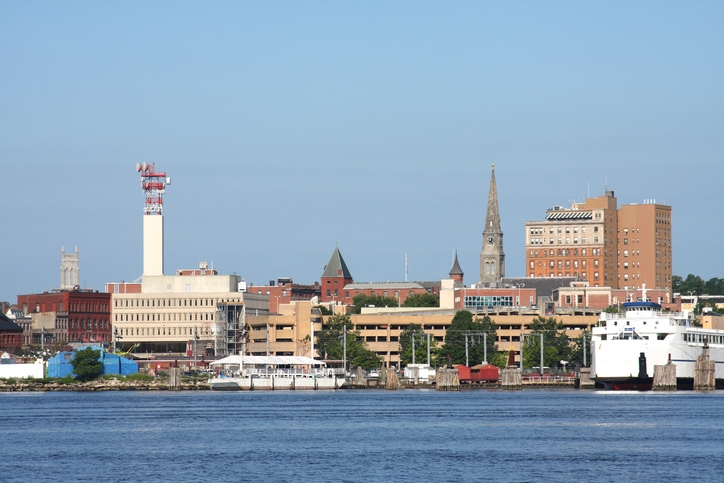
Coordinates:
175	311
285	291
66	315
644	245
196	311
289	332
602	245
492	256
335	277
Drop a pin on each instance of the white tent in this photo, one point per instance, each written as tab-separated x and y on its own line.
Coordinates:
235	360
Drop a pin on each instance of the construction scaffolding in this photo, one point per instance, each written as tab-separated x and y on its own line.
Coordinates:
230	331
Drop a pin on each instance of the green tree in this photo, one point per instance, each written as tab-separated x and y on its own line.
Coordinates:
87	364
577	349
331	338
363	300
415	330
499	359
612	309
556	346
422	300
714	286
464	324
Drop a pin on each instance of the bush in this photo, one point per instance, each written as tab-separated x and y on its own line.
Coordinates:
86	364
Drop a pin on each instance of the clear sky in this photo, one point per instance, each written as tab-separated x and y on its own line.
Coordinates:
292	127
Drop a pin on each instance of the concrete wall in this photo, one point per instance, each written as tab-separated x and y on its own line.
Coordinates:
22	370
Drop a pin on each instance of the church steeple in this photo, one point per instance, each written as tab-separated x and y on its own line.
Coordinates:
492	257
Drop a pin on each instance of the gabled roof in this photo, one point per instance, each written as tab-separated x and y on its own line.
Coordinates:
7	325
336	268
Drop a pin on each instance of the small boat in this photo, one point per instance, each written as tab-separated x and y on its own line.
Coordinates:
275	373
627	347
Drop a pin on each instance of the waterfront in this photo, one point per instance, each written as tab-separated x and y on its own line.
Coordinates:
407	435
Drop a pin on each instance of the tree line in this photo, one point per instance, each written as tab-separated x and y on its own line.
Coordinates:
695	285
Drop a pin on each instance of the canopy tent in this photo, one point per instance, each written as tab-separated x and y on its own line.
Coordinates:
268	360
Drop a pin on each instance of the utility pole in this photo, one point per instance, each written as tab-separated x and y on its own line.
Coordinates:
196	337
413	348
428	349
344	349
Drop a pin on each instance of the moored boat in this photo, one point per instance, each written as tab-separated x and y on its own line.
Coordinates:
274	373
626	347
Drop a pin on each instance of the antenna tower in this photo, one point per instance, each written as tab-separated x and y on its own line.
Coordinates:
153	185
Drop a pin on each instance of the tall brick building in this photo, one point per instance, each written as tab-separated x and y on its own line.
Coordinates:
603	245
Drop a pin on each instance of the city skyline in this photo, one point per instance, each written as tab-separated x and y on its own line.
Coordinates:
367	127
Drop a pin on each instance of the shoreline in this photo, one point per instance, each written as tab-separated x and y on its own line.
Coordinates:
203	385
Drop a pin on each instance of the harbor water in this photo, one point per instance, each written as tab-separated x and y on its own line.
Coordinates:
370	435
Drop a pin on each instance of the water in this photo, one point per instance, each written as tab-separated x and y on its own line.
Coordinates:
374	435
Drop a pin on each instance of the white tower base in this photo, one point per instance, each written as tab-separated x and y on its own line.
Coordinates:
153	245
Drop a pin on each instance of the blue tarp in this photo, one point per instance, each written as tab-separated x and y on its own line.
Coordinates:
60	366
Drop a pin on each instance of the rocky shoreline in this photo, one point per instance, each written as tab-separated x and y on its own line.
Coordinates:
102	385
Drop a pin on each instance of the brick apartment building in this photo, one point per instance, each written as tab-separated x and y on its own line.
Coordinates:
603	245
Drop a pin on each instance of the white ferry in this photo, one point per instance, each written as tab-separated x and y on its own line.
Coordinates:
626	347
249	373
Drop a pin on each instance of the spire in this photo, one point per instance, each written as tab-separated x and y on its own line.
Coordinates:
336	268
492	257
456	273
492	218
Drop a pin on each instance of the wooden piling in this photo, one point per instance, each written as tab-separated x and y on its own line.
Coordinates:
584	379
665	377
704	371
511	378
174	378
392	383
447	379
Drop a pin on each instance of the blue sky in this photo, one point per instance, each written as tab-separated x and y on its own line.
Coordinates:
292	127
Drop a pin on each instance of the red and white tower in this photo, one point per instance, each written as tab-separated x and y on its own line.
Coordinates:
153	184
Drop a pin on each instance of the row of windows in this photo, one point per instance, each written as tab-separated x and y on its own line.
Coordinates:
88	324
564	252
700	338
552	241
85	307
562	263
156	331
567	229
479	301
183	317
583	275
173	302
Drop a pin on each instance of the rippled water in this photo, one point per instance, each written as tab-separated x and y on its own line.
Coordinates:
373	435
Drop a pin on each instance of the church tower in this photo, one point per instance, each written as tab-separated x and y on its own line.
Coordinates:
69	269
492	257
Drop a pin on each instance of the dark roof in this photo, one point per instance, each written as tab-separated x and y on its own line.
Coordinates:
7	325
456	270
336	267
544	286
